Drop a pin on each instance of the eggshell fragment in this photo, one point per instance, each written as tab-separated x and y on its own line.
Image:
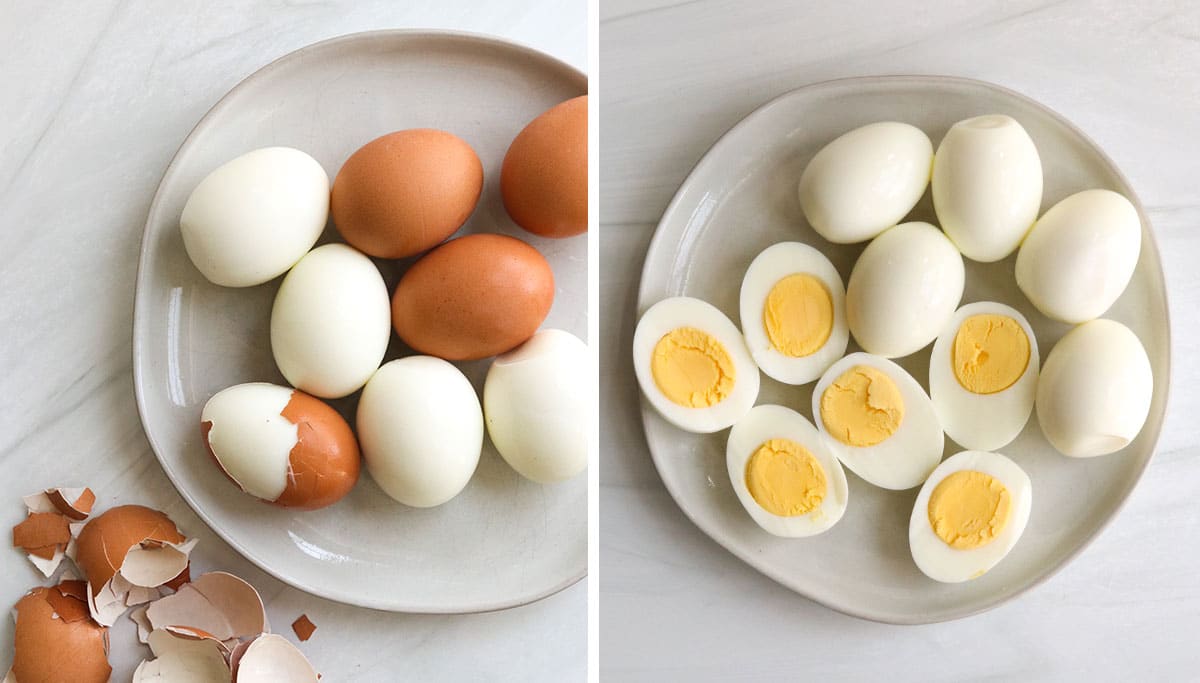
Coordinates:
55	640
270	658
217	603
182	657
544	179
41	532
47	534
75	503
303	627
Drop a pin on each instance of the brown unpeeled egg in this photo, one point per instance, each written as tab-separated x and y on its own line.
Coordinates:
56	639
473	297
406	192
544	179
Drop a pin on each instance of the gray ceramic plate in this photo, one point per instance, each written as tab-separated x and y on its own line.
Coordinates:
502	542
741	198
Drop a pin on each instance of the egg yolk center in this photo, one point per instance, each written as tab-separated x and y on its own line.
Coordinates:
785	479
692	368
968	509
798	315
990	353
862	407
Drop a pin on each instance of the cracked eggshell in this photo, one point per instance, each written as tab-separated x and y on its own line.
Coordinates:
217	603
270	658
106	540
182	656
55	640
281	445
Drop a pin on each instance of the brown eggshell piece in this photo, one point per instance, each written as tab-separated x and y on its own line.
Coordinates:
303	627
105	540
324	464
76	504
217	604
473	297
54	640
406	192
544	179
41	533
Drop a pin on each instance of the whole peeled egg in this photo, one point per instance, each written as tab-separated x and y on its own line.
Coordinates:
903	289
281	445
537	402
406	192
1080	255
330	323
252	218
865	181
544	179
1095	390
987	186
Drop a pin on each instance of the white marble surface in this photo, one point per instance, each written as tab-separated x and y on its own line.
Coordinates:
94	99
674	76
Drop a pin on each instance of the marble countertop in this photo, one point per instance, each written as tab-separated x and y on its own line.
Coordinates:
94	100
674	76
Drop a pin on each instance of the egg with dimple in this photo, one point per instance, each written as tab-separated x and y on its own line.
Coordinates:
544	179
793	310
968	516
983	375
693	366
904	287
865	181
878	421
784	473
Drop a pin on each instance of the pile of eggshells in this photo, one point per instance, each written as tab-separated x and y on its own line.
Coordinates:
419	425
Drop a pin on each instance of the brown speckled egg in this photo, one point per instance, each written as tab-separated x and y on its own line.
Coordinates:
473	297
544	179
406	192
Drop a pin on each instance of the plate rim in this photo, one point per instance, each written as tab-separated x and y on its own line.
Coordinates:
657	242
141	287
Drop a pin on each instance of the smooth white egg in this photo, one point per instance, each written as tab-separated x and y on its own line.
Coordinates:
982	422
943	562
331	322
903	289
1080	255
762	424
772	265
253	218
987	185
904	459
685	312
537	402
865	181
1095	390
421	430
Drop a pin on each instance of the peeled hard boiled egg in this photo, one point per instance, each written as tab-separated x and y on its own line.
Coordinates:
253	218
281	445
784	473
537	402
544	179
969	515
421	430
1080	255
1094	393
903	290
693	366
987	185
879	421
983	375
865	181
793	309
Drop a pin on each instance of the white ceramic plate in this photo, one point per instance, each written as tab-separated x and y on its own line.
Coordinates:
502	542
741	198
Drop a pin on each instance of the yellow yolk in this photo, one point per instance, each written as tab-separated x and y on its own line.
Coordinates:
990	353
798	315
968	509
863	407
785	479
692	368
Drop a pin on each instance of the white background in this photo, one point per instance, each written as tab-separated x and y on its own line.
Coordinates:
95	98
674	76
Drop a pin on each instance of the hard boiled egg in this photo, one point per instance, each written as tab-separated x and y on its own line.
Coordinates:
865	181
879	421
793	309
969	515
903	290
784	473
1095	390
693	365
1080	255
983	375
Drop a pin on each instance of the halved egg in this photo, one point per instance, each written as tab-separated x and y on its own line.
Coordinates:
969	515
784	474
793	308
879	421
693	366
983	375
